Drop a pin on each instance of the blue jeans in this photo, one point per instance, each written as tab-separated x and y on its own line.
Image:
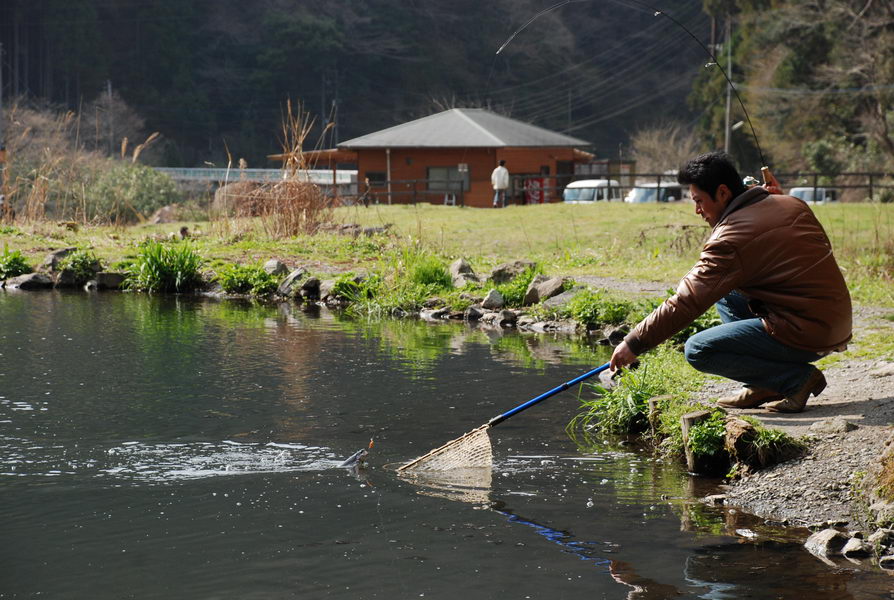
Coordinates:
741	349
499	198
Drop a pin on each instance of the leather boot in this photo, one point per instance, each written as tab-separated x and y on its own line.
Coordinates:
749	397
796	401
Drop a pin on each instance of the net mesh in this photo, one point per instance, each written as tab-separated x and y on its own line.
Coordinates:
471	485
471	450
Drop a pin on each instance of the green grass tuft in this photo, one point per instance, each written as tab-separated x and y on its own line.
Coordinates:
623	408
165	268
429	270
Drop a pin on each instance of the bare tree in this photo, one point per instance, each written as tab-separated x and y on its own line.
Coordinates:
663	147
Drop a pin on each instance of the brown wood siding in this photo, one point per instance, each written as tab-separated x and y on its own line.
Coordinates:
481	162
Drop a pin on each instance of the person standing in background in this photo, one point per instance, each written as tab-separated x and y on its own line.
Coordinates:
499	179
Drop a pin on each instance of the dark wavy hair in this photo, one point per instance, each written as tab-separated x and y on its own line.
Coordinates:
708	171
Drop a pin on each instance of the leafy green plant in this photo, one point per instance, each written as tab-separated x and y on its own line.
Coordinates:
83	263
165	267
247	279
514	291
12	264
706	438
597	307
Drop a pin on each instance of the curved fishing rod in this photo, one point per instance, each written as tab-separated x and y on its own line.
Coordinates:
660	13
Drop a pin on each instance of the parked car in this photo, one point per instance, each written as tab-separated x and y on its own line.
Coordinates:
814	195
591	190
655	192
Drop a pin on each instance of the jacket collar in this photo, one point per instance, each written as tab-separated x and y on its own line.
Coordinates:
749	197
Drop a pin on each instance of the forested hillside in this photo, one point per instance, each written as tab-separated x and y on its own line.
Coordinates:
817	76
215	74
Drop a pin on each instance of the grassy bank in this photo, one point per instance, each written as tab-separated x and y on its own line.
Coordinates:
655	243
638	242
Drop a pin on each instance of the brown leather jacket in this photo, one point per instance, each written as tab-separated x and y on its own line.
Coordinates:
773	250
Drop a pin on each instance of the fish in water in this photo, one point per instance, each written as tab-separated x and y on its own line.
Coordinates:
357	459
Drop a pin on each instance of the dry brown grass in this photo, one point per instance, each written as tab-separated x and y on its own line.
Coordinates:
47	172
284	208
52	163
288	208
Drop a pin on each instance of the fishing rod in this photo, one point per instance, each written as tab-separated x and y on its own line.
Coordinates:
769	181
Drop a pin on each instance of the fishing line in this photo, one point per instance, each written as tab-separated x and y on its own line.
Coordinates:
590	90
657	13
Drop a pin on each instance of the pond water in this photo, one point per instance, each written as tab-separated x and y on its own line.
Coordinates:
183	448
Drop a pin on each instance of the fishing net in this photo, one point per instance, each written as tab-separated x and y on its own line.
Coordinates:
470	485
472	450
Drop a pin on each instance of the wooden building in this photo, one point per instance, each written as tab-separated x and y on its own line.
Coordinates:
449	156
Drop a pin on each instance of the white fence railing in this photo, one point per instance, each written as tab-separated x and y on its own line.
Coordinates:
216	175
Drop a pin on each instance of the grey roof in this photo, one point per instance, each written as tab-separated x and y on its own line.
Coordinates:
463	128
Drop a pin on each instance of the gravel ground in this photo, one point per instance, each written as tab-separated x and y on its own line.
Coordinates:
817	487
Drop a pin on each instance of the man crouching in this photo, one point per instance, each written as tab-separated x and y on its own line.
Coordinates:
769	269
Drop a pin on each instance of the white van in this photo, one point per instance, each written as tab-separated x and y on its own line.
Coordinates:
591	190
655	192
813	195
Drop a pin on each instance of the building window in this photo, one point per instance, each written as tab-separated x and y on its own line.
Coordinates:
447	179
377	178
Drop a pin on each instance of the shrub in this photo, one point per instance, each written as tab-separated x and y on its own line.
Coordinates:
165	268
125	193
247	279
83	263
12	264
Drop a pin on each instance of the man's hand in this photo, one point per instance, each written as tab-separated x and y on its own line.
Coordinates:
622	357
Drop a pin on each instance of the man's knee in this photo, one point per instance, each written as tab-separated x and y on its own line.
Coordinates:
696	352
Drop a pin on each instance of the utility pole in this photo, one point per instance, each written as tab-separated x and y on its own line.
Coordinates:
729	87
334	112
111	117
2	133
4	175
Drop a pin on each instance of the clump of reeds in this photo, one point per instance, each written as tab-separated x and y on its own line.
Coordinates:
285	208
